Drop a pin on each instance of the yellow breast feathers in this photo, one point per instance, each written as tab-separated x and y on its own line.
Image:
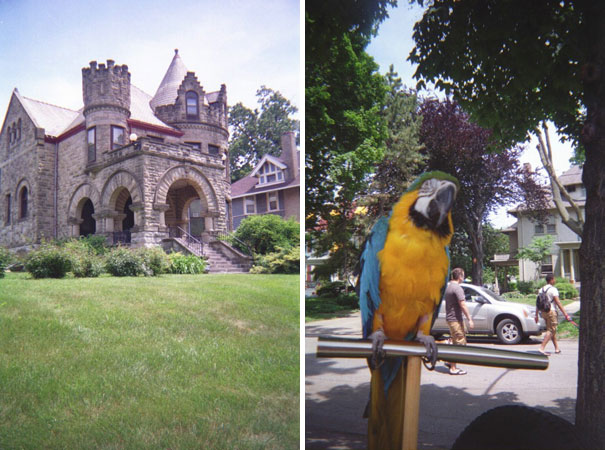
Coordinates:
414	267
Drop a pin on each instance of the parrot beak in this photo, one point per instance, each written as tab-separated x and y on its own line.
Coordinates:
442	202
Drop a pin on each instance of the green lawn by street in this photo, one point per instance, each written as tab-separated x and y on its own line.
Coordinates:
321	308
177	361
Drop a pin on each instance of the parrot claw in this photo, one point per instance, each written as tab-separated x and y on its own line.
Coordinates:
378	354
431	350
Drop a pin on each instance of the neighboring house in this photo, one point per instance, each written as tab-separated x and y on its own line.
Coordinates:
127	165
273	187
564	258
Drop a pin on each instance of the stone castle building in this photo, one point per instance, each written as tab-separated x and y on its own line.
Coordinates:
134	168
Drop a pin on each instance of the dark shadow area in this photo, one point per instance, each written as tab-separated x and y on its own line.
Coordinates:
315	366
336	420
318	330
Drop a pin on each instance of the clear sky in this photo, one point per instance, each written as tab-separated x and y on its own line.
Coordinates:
393	45
44	44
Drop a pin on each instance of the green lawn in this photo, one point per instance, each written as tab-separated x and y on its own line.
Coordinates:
177	361
321	308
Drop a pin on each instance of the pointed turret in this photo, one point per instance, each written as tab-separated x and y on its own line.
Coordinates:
167	92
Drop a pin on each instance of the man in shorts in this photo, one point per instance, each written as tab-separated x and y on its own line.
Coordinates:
550	317
455	306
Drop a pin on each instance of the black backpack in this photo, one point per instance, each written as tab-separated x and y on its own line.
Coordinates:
542	301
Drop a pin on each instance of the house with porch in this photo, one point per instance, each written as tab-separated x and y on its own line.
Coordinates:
273	186
563	260
138	169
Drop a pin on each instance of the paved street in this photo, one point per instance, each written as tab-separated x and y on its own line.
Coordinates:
337	391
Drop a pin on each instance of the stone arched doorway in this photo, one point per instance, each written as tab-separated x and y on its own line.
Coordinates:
122	215
88	224
187	209
123	202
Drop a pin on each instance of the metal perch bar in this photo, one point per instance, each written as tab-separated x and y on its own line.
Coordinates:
329	347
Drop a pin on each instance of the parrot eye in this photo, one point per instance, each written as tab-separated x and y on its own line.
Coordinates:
428	187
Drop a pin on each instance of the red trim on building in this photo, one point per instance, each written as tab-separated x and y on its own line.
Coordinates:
149	127
67	134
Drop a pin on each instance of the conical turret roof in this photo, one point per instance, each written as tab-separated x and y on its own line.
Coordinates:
167	92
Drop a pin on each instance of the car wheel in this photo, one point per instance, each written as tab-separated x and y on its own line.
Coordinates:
519	427
509	331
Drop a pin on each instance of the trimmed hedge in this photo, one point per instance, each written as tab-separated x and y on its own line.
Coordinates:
121	262
186	264
155	261
285	260
49	261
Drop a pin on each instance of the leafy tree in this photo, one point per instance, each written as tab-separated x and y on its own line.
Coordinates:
487	181
514	64
268	233
538	249
255	133
403	158
494	242
345	131
344	95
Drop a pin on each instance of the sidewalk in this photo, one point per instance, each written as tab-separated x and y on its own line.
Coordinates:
337	391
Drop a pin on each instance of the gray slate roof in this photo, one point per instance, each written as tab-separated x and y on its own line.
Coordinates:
53	119
57	120
571	176
167	92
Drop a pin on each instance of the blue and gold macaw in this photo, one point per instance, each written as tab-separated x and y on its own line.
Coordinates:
404	270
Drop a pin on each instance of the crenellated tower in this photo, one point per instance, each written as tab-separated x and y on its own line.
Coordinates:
106	91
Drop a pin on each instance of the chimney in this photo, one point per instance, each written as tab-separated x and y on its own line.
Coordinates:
289	153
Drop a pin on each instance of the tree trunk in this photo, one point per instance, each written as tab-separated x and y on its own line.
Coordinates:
590	410
474	229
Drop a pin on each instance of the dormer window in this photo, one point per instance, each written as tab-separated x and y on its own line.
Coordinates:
192	105
269	174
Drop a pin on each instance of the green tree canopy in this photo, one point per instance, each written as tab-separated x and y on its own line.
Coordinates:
267	233
403	159
255	133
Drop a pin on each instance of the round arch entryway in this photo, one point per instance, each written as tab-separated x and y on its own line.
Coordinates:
88	225
187	209
82	209
122	198
186	201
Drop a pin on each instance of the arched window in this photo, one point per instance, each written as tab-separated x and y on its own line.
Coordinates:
192	104
10	134
19	130
23	203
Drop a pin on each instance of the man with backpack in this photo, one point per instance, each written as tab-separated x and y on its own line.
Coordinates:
548	298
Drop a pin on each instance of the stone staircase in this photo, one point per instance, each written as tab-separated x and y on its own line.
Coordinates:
220	261
221	257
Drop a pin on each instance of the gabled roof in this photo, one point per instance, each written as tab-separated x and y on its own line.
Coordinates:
247	186
278	162
54	119
572	176
167	92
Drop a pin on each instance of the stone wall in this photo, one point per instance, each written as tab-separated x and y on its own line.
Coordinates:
29	163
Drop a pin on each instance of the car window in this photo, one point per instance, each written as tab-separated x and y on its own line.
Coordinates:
470	295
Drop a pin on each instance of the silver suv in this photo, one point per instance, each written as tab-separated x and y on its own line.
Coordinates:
492	314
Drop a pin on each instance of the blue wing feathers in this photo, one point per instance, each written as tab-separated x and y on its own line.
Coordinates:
369	278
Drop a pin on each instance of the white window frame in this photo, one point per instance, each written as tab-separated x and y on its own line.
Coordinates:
269	196
267	170
250	199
